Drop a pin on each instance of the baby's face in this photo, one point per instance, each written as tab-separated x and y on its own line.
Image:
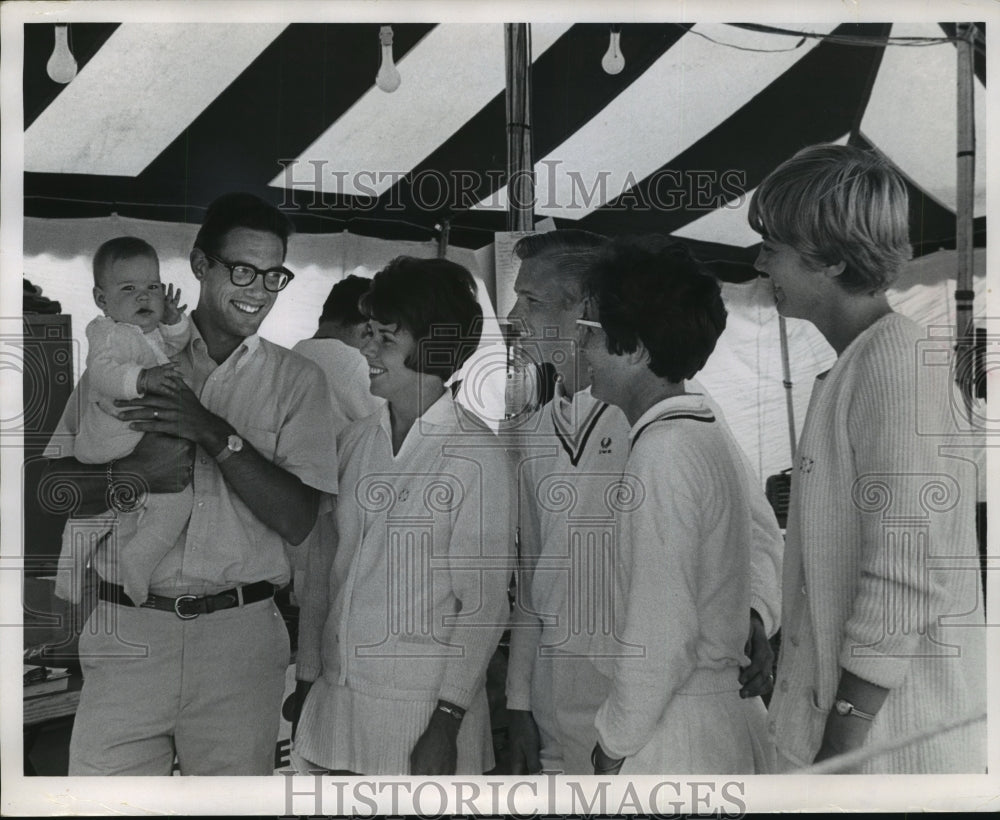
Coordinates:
131	291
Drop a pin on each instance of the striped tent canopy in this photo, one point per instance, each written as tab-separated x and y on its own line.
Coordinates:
163	117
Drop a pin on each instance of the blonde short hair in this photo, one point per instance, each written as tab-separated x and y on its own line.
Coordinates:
838	203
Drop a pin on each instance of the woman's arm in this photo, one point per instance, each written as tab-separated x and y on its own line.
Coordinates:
481	550
847	729
895	467
525	638
314	601
657	643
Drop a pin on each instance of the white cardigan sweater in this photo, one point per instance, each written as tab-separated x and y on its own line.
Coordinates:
881	574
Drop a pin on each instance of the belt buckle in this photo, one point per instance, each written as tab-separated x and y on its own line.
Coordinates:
177	607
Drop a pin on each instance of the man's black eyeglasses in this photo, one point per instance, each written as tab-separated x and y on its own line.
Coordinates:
242	274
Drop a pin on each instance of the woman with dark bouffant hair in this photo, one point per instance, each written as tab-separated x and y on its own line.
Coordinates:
406	598
882	622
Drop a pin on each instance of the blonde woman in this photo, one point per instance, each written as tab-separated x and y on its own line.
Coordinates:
880	557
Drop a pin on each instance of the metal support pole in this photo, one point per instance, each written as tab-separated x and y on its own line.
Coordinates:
786	373
520	168
964	214
443	234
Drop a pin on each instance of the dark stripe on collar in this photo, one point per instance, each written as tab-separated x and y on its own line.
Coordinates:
670	417
574	458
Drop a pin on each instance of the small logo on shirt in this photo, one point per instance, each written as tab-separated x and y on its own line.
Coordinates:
605	445
404	494
805	464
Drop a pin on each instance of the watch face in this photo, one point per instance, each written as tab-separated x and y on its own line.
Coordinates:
235	443
843	707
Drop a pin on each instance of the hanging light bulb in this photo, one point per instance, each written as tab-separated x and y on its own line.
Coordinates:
388	78
613	62
61	65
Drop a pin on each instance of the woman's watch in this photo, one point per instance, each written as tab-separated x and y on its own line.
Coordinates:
450	710
844	707
233	445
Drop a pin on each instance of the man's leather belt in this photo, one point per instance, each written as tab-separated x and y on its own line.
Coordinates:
186	607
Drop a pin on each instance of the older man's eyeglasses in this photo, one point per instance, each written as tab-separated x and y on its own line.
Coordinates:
243	274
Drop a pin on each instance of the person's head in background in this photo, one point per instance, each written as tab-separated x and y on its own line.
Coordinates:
659	319
550	291
243	239
341	318
127	283
424	322
835	224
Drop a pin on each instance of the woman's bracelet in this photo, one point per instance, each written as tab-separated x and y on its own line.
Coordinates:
611	769
452	711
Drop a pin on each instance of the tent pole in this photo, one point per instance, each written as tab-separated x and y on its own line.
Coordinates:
786	372
964	213
520	168
445	231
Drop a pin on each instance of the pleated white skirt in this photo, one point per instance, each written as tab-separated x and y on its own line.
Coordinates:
708	732
347	729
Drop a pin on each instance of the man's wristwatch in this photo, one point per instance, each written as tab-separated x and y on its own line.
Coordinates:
233	445
845	707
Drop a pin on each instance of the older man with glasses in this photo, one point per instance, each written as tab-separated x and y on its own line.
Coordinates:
198	668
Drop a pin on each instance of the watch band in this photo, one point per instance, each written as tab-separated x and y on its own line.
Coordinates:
451	711
844	707
233	445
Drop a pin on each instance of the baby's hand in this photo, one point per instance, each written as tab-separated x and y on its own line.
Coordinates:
172	313
163	378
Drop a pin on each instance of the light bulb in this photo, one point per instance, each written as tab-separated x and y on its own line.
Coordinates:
523	389
613	62
61	65
388	78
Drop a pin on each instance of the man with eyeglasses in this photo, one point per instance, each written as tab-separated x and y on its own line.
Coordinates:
198	668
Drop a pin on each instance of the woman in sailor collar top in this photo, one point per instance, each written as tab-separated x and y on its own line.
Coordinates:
681	592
